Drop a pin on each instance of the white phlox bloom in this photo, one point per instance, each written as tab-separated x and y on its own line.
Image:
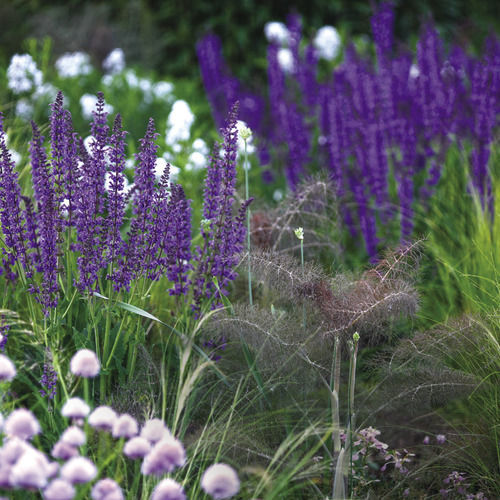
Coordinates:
327	42
114	62
277	32
72	64
285	60
179	123
23	74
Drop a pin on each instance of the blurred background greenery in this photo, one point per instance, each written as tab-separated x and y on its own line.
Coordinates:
161	35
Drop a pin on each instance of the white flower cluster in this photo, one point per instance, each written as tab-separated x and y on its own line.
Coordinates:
327	43
73	64
114	62
179	123
23	74
160	90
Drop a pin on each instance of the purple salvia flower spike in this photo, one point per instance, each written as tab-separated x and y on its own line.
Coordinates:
47	220
13	225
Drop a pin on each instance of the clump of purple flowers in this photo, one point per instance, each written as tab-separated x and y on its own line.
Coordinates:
369	117
80	203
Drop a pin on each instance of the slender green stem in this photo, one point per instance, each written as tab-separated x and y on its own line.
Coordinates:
246	167
302	267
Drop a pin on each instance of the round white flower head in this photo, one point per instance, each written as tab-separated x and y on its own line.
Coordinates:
414	71
106	489
75	408
196	161
31	470
327	42
154	430
162	90
125	426
73	64
200	146
78	470
277	33
23	74
114	62
137	447
22	424
64	451
179	123
220	481
73	436
168	489
103	418
7	368
24	109
59	489
85	364
285	60
165	456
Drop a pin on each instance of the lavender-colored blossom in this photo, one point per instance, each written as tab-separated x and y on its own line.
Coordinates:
155	430
168	489
102	418
74	436
31	471
59	489
85	364
78	470
106	489
125	426
22	424
75	408
164	457
64	451
137	447
220	481
7	369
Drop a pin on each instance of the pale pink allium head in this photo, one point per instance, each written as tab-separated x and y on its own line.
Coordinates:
64	451
165	456
137	447
106	489
12	450
75	408
78	470
22	424
31	471
168	489
102	418
220	481
7	369
125	426
85	364
73	436
155	430
59	489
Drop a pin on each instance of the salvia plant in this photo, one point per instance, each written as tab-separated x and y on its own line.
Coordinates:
382	128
